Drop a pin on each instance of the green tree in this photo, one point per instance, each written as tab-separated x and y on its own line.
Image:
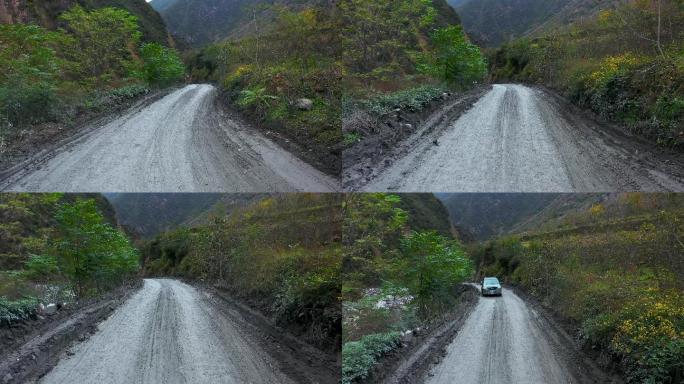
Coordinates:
91	253
161	65
454	59
430	267
104	42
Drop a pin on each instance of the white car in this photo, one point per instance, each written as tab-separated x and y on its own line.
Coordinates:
491	287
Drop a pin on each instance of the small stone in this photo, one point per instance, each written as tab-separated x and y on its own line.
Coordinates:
304	104
50	309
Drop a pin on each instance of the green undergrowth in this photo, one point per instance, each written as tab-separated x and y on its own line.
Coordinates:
411	100
15	311
359	357
59	248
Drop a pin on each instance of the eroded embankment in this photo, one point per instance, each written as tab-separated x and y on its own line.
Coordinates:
390	137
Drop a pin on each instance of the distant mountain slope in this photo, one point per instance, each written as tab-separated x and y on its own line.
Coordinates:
46	13
200	22
493	22
488	215
149	214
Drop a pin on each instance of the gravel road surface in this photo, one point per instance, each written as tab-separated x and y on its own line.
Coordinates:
519	139
180	143
166	333
503	341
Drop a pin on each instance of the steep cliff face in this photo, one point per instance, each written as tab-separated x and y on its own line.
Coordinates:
46	14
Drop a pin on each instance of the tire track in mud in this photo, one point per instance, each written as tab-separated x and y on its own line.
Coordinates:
166	333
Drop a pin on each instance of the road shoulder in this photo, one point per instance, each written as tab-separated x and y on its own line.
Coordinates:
300	361
46	341
559	331
396	135
37	148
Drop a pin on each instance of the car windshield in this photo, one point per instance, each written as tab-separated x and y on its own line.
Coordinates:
491	281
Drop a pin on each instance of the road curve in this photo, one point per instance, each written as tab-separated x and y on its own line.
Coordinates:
502	342
166	333
180	143
519	139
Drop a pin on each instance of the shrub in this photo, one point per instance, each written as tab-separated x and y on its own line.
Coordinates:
23	103
414	99
109	100
359	357
15	311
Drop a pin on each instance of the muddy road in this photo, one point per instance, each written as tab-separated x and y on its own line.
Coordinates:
183	142
505	341
520	139
166	333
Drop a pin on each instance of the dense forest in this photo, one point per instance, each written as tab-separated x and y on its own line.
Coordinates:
614	271
86	61
625	64
57	248
412	270
280	254
284	78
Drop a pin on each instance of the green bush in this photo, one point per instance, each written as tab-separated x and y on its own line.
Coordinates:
161	65
23	103
414	100
454	59
18	310
108	100
359	357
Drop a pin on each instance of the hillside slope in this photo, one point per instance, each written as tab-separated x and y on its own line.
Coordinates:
492	22
46	13
150	214
219	19
487	215
426	212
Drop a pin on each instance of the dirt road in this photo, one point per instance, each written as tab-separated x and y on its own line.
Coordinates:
166	333
519	139
505	341
180	143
